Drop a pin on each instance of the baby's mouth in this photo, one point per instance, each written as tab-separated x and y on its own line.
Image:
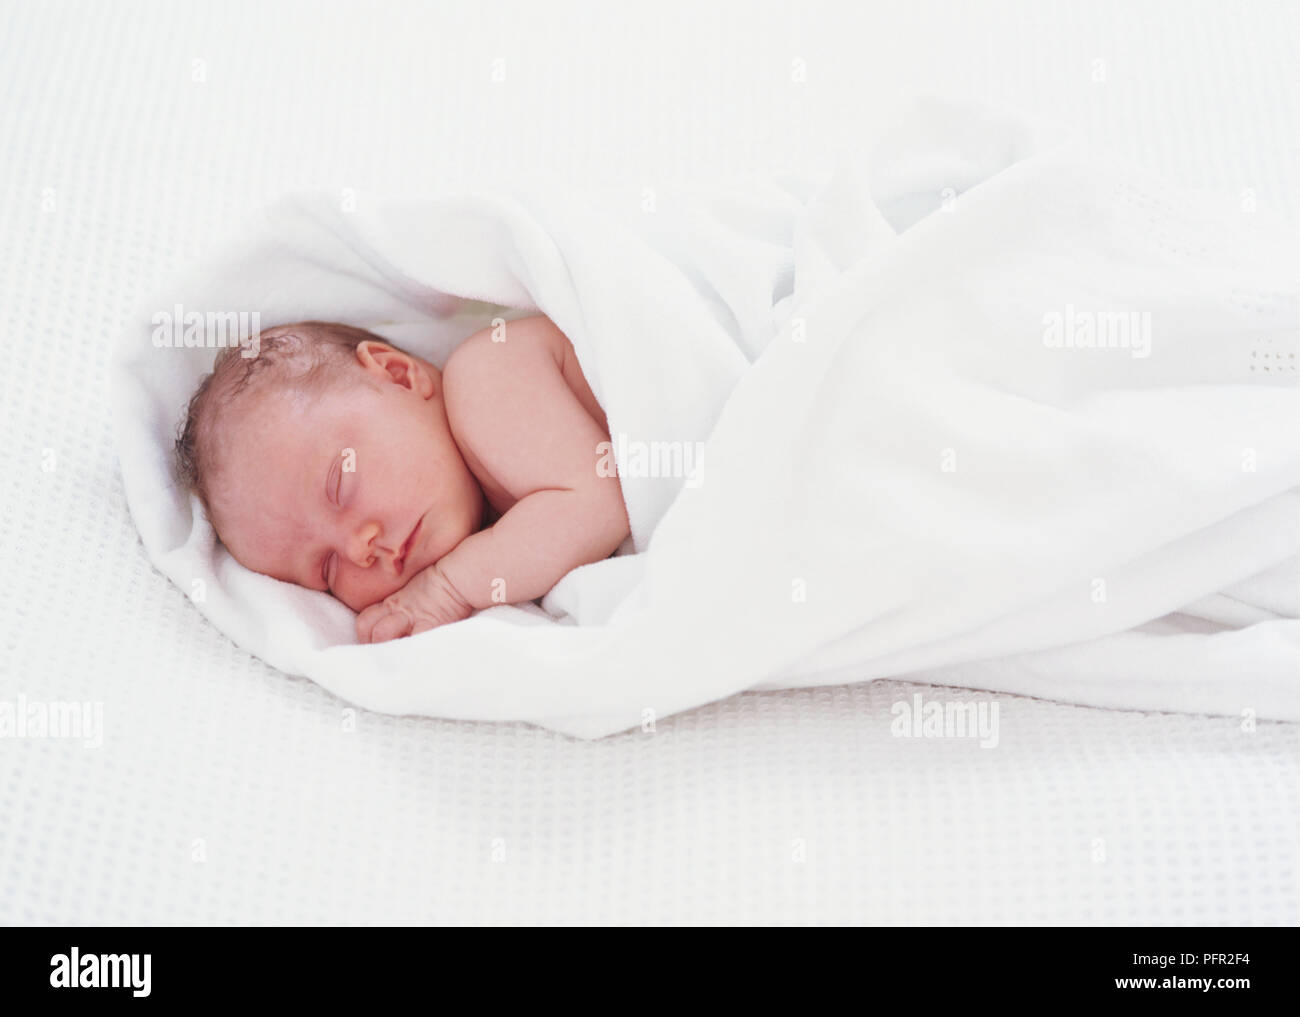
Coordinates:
400	561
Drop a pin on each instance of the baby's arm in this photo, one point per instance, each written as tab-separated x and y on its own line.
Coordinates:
517	419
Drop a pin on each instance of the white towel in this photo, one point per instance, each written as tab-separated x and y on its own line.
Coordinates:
908	464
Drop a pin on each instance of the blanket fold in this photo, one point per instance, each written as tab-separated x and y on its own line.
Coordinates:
989	410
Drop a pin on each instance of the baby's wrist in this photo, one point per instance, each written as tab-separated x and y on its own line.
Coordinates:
443	583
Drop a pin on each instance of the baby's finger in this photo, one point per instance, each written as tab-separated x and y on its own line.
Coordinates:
367	618
391	626
423	624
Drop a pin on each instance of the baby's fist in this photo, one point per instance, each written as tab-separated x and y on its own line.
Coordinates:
427	601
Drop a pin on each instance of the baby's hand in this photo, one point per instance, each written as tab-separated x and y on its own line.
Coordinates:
427	601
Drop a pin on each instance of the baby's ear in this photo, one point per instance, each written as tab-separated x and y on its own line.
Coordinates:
394	366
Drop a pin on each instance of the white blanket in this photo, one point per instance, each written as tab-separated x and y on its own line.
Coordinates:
908	466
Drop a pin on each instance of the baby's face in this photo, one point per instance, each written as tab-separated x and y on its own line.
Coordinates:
353	491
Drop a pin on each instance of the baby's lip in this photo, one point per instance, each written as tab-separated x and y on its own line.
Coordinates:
400	560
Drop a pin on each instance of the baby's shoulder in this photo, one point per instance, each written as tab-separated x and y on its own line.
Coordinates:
495	354
504	365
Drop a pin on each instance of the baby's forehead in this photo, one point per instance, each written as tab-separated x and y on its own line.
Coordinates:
261	454
293	395
271	408
259	423
286	419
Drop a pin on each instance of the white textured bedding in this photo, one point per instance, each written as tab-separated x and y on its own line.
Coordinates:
227	792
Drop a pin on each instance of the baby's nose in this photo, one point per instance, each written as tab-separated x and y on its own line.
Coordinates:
360	549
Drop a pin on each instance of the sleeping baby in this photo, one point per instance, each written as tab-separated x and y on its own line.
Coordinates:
336	461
